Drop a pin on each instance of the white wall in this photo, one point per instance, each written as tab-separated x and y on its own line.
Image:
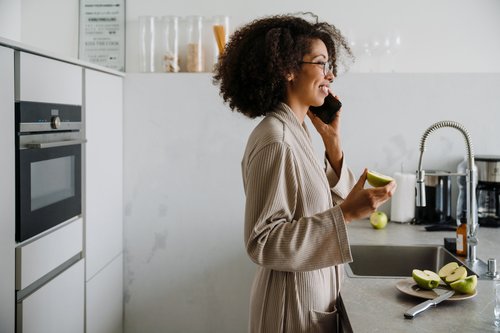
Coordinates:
436	36
186	269
51	25
10	19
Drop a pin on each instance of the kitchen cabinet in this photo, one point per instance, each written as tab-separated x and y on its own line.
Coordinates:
103	103
7	191
46	309
49	267
104	299
46	80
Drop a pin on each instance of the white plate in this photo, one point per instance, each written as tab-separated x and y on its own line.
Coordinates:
410	287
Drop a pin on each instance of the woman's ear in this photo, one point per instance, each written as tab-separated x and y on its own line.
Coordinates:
290	77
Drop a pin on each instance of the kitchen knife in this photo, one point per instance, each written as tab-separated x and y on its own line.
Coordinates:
411	313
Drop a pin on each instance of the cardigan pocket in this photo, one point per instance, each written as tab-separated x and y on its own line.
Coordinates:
323	321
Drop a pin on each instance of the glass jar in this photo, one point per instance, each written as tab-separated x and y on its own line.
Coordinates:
195	54
169	44
220	27
147	44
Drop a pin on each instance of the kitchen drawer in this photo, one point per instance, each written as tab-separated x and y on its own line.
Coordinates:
41	79
37	258
57	306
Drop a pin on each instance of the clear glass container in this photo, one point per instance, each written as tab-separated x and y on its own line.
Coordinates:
195	53
169	44
220	33
147	44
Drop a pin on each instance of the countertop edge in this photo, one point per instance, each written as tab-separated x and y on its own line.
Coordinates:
33	50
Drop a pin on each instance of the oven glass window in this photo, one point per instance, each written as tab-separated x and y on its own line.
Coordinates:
52	181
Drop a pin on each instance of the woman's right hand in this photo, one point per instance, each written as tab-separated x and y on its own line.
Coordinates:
361	202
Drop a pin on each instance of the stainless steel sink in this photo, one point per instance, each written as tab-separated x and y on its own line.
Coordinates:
397	261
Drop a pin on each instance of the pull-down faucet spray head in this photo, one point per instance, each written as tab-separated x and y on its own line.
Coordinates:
420	200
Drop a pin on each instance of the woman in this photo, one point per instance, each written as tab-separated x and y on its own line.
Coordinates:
296	211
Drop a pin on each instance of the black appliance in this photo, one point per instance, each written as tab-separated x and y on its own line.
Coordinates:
488	190
49	140
438	196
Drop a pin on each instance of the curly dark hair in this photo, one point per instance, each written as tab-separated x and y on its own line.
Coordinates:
252	70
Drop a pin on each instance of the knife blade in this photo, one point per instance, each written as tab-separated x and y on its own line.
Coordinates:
411	313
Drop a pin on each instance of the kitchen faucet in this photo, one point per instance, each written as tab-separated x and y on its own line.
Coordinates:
472	224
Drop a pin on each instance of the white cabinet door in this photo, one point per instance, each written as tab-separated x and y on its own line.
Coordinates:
7	191
56	307
48	80
105	299
103	105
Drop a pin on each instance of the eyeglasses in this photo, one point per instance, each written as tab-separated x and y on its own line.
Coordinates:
327	67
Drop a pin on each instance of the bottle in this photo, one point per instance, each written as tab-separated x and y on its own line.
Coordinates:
462	239
461	215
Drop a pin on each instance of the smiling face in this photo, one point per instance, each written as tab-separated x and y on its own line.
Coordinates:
309	86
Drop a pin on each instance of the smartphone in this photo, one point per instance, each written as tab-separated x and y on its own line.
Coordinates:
328	110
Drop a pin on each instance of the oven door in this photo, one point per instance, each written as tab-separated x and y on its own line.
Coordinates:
49	191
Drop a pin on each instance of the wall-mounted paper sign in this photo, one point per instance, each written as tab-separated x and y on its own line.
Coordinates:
102	33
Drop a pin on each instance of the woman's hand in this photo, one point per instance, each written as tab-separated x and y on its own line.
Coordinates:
327	131
361	202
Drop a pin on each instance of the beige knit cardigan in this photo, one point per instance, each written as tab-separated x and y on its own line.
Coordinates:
294	230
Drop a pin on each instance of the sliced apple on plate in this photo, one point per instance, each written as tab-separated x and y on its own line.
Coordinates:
426	279
459	273
465	286
447	269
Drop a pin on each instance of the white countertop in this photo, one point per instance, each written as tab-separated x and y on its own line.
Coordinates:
27	48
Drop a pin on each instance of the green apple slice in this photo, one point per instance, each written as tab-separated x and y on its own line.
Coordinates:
376	179
425	279
458	274
447	269
465	286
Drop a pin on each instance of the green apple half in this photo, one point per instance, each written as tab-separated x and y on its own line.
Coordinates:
447	269
376	179
378	220
465	286
458	274
425	279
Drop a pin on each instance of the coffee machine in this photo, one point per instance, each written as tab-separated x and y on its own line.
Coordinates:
488	190
437	211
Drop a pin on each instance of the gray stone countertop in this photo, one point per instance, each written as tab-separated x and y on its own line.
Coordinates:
376	305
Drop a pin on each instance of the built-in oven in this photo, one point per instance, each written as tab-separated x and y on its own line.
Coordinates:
49	139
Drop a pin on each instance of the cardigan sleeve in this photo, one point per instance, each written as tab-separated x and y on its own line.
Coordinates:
274	238
342	185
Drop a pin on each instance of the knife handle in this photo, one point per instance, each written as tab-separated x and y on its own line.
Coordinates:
418	308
